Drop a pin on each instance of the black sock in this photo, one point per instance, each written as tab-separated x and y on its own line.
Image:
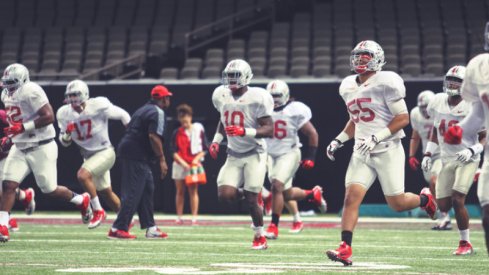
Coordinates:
275	218
423	200
347	236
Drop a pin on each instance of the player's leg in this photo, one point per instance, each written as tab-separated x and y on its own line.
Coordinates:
193	194
483	195
293	209
485	224
464	176
267	201
27	198
443	222
254	175
229	179
359	177
104	191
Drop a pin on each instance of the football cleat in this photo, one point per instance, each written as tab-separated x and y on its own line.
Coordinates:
464	248
341	254
267	205
155	234
259	243
29	202
430	207
179	221
318	199
85	208
98	217
296	227
445	225
4	236
272	232
12	225
120	235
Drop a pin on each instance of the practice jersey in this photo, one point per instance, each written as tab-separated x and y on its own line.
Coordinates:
243	111
21	107
367	103
287	122
91	125
445	116
423	126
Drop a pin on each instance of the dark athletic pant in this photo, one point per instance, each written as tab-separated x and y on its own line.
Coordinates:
137	188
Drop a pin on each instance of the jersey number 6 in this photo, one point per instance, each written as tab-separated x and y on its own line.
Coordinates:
359	112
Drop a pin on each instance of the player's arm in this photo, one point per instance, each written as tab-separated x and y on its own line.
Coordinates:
468	154
46	116
265	130
345	135
64	135
117	113
216	141
310	132
413	148
401	116
431	147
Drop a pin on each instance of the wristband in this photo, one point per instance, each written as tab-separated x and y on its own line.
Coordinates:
29	126
342	137
66	137
311	152
431	147
218	137
250	132
476	149
383	134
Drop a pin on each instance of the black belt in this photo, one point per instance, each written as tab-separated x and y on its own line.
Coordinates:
42	142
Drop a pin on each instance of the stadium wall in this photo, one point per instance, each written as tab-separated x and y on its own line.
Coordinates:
329	117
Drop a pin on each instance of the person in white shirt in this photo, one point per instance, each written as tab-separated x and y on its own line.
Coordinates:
377	114
245	119
84	120
31	129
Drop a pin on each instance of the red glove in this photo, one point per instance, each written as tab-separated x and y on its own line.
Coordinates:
5	144
214	150
453	135
307	164
234	130
13	130
413	163
70	128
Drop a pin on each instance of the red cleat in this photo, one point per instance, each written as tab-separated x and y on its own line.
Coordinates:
259	243
267	203
120	235
155	234
98	217
4	236
318	199
272	232
341	254
296	227
12	225
464	248
430	207
85	209
29	202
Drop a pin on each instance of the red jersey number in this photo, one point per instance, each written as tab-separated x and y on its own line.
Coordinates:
359	112
13	114
279	131
442	128
84	129
235	118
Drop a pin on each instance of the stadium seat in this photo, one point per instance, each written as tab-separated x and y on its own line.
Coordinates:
169	73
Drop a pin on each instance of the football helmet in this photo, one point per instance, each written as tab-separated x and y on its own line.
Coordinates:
424	99
367	56
279	91
76	92
14	76
237	74
453	80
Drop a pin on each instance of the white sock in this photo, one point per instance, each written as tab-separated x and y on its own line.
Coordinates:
265	193
152	228
464	235
77	199
258	231
21	194
297	217
113	229
96	204
447	216
4	217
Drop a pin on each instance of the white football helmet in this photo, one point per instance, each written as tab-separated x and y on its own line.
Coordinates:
237	74
14	76
367	56
453	80
424	98
279	91
76	92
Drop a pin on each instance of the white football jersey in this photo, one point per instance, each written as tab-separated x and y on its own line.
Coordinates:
367	104
445	116
21	107
91	125
287	122
423	126
243	111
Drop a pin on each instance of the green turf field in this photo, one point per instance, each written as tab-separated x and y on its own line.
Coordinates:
400	249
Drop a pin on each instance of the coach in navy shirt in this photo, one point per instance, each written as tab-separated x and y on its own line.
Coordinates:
141	144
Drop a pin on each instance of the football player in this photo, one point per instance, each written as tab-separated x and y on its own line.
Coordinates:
245	119
474	90
284	153
422	123
31	129
84	120
25	196
459	161
375	102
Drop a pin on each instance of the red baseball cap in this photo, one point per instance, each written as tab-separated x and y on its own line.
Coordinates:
160	91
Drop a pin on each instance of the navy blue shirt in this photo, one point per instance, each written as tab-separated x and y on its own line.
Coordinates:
135	143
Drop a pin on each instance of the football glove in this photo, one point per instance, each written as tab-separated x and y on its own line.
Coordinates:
367	145
413	163
214	150
453	135
332	148
426	163
14	129
234	130
465	155
70	128
307	164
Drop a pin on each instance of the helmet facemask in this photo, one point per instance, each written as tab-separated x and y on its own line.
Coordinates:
452	85
233	80
361	62
76	93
